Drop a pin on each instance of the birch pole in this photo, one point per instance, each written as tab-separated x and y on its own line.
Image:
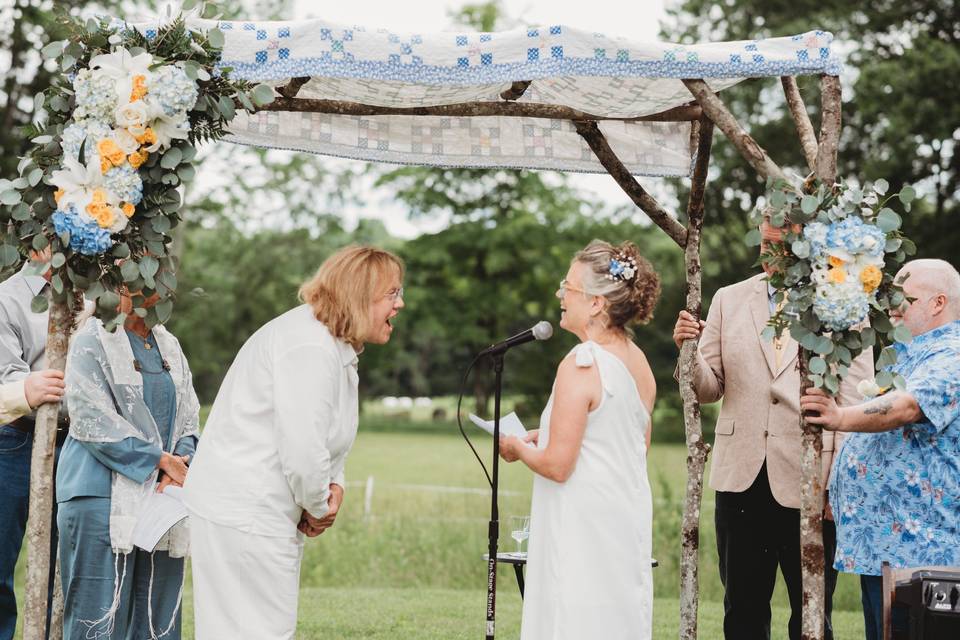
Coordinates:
697	449
39	521
811	483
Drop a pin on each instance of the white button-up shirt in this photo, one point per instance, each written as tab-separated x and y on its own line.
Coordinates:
280	429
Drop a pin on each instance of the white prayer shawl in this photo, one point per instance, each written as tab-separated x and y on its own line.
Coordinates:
105	398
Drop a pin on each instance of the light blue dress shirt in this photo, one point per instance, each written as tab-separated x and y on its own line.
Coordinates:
896	495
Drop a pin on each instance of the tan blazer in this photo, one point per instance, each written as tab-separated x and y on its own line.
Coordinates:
759	420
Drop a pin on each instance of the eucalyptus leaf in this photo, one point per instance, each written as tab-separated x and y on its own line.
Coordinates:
801	249
884	379
902	334
8	255
226	107
57	283
881	186
768	333
148	266
831	382
186	173
818	365
164	310
816	380
10	198
35	176
753	238
888	220
216	39
824	345
42	139
39	303
121	250
108	301
899	382
129	270
58	260
52	50
262	95
809	204
160	224
171	158
67	62
907	195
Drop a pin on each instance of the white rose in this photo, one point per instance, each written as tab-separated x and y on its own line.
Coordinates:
869	242
119	222
125	141
868	388
132	115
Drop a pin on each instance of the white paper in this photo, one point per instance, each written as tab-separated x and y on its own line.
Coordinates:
158	514
509	425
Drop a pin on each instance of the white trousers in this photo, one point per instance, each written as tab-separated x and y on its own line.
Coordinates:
244	585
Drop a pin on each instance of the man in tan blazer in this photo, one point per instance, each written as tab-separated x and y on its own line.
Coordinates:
755	469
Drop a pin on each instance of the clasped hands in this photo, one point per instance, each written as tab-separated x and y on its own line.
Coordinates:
312	527
173	470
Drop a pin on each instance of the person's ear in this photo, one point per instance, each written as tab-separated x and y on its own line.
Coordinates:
939	304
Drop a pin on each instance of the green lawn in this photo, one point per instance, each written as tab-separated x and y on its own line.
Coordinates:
452	614
411	565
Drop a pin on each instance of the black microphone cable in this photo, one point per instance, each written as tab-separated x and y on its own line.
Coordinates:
463	384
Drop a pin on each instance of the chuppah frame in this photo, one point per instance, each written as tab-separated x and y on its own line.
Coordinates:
705	112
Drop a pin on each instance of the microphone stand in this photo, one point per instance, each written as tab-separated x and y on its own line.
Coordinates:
493	531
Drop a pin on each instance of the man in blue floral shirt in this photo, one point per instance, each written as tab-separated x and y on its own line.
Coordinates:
895	491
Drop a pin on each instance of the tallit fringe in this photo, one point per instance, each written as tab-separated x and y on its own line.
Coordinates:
109	618
176	610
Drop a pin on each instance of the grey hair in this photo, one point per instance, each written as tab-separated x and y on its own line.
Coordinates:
937	276
628	301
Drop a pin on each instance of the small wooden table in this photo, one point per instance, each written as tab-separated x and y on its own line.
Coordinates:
519	559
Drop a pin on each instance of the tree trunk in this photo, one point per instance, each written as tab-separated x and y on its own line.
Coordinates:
811	485
697	449
811	518
41	482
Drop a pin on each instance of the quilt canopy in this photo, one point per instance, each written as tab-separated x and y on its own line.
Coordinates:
614	80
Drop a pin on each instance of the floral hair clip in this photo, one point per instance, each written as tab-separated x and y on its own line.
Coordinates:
623	267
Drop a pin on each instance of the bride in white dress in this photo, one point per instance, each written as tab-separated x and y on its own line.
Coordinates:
588	566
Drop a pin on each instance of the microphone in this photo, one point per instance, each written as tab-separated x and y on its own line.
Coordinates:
543	330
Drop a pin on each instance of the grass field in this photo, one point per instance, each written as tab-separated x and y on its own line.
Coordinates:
408	563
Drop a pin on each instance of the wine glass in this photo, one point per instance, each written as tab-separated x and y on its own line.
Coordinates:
519	530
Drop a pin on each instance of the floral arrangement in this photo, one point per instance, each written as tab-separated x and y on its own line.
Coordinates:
834	274
623	267
113	139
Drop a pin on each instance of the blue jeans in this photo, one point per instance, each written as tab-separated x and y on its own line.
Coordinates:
871	597
15	451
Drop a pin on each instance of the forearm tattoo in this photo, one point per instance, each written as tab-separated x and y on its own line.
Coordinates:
883	408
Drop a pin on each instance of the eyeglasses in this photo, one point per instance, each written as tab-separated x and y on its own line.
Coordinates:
566	286
394	294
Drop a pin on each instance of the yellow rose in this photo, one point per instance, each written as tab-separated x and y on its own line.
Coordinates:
108	149
105	165
837	275
128	209
139	88
835	261
147	138
99	196
105	216
871	277
137	158
57	195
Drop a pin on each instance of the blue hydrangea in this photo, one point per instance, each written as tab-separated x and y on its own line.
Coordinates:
125	183
75	134
86	236
96	97
816	234
172	90
841	305
856	237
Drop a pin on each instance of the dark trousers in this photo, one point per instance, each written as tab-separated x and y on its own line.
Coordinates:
755	535
15	450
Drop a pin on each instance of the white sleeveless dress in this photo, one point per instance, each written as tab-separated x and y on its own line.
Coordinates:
588	566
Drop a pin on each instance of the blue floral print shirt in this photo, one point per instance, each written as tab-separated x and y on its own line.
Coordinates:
896	495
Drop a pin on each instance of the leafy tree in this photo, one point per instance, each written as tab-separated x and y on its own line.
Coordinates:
900	119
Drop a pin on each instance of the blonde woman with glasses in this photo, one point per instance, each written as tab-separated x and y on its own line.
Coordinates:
270	467
589	561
